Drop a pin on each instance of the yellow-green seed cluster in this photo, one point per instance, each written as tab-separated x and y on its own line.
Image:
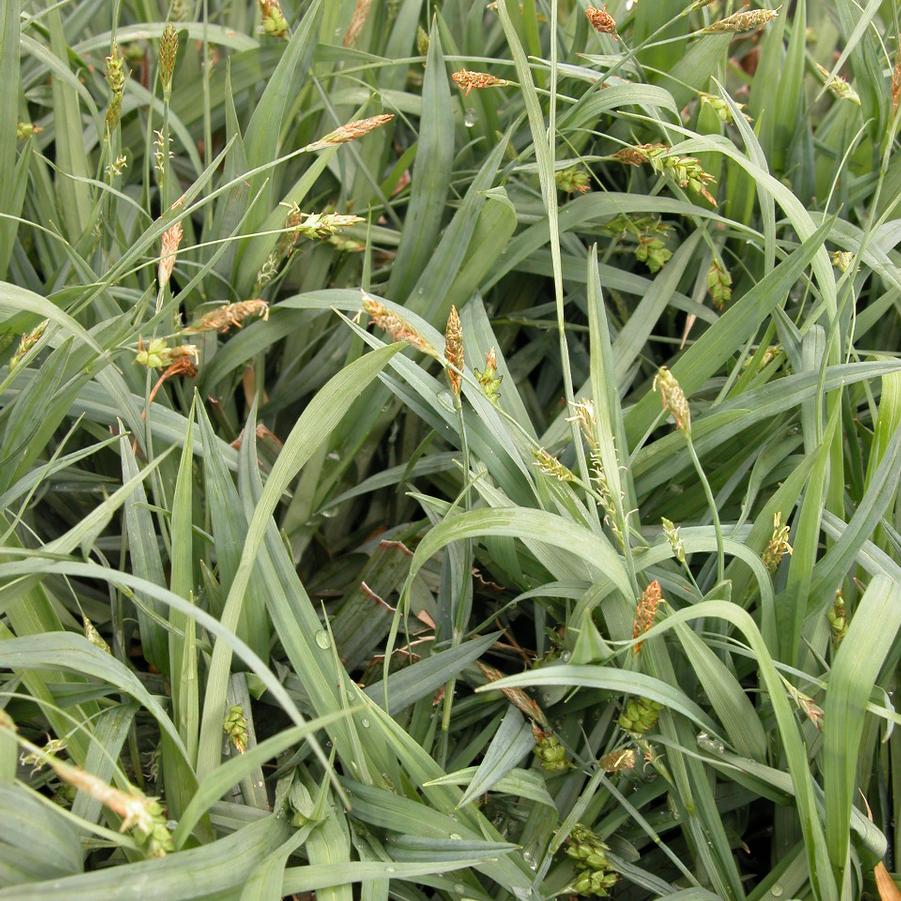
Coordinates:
639	716
589	853
551	754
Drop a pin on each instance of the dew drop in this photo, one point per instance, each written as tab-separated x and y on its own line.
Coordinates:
455	837
365	723
469	118
390	870
776	890
322	640
459	888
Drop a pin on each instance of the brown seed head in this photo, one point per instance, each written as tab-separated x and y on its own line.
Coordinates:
170	243
747	20
352	131
168	52
673	398
397	327
357	21
231	315
618	761
516	696
453	350
468	80
645	611
601	21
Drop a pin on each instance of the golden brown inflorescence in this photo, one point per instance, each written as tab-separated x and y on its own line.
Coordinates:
168	53
601	21
396	326
453	350
231	315
357	21
171	241
352	131
468	80
646	612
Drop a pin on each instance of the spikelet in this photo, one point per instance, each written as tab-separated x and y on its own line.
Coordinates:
639	715
674	539
837	86
551	466
318	225
37	759
721	108
161	152
231	315
747	20
397	327
27	341
142	816
838	618
116	73
468	80
842	259
168	53
551	754
618	761
235	728
93	636
573	180
673	398
453	350
601	21
422	41
274	22
357	21
719	283
158	354
488	378
805	703
169	250
117	166
685	171
26	130
778	545
352	131
645	612
516	696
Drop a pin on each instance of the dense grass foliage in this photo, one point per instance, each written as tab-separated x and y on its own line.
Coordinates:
449	449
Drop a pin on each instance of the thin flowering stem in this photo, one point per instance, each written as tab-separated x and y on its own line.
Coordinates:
711	502
454	353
